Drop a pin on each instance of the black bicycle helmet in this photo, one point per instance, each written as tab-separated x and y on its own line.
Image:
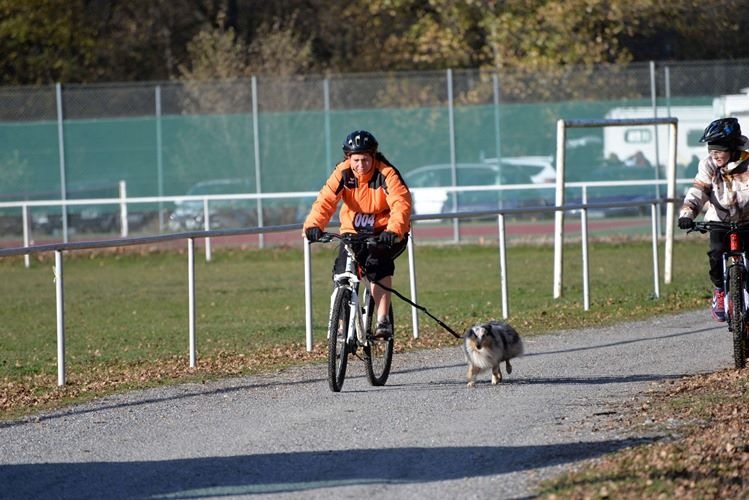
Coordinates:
360	141
723	134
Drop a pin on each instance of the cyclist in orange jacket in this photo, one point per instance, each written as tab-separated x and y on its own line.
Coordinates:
376	201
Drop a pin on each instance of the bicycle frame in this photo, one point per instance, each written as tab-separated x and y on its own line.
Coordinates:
350	279
735	285
350	320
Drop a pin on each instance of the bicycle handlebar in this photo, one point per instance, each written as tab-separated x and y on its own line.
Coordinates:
706	226
349	238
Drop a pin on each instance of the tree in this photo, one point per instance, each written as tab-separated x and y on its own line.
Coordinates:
46	41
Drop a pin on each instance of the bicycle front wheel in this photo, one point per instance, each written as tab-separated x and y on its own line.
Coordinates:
737	315
337	339
378	353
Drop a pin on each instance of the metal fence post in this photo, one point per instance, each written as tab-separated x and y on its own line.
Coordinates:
559	213
124	229
308	294
412	278
191	298
61	152
497	136
453	165
586	264
503	266
207	227
159	157
60	314
26	230
256	138
654	103
670	205
326	103
656	278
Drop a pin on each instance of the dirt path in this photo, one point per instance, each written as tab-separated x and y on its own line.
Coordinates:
423	435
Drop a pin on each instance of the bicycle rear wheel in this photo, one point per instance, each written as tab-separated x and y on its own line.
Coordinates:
737	315
378	353
337	336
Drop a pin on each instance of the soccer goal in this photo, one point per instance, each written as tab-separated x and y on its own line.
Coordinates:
562	126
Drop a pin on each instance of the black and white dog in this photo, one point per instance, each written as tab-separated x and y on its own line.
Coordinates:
487	345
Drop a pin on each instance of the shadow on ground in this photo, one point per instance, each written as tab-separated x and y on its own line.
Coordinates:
283	472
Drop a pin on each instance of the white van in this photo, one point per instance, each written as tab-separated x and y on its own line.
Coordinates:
637	143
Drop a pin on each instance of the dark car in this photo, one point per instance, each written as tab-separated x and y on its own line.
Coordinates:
619	172
224	213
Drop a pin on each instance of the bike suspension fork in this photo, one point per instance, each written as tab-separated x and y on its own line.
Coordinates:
354	317
366	310
736	246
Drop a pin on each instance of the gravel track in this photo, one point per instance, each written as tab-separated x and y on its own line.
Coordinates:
423	435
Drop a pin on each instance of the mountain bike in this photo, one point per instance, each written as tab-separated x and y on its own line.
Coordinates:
735	285
352	319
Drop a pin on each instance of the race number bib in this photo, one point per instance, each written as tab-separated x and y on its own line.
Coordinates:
364	223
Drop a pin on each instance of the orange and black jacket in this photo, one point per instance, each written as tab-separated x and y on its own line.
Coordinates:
375	202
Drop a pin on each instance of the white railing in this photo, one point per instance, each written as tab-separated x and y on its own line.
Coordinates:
123	202
59	248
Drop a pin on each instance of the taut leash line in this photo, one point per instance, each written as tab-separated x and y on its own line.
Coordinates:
421	308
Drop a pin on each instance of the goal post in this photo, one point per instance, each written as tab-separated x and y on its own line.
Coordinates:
562	126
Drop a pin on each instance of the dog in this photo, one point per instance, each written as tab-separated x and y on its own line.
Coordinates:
487	345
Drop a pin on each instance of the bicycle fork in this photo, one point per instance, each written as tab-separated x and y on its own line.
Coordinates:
354	317
359	316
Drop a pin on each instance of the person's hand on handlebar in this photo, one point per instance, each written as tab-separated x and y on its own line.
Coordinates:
388	238
686	223
313	234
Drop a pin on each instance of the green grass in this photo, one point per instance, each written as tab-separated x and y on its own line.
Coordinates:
123	307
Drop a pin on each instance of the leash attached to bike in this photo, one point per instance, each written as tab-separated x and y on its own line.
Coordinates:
421	308
327	237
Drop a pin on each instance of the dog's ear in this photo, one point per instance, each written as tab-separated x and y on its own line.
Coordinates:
468	332
496	333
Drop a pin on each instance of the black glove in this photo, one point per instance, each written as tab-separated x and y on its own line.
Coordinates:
686	223
388	238
313	233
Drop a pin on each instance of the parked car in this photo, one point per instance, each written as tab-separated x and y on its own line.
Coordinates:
91	219
436	199
617	171
540	168
228	212
189	215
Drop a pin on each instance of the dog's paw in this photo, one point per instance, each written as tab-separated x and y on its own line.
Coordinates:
471	384
496	380
508	366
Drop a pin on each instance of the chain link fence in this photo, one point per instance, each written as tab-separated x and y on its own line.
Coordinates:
283	134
